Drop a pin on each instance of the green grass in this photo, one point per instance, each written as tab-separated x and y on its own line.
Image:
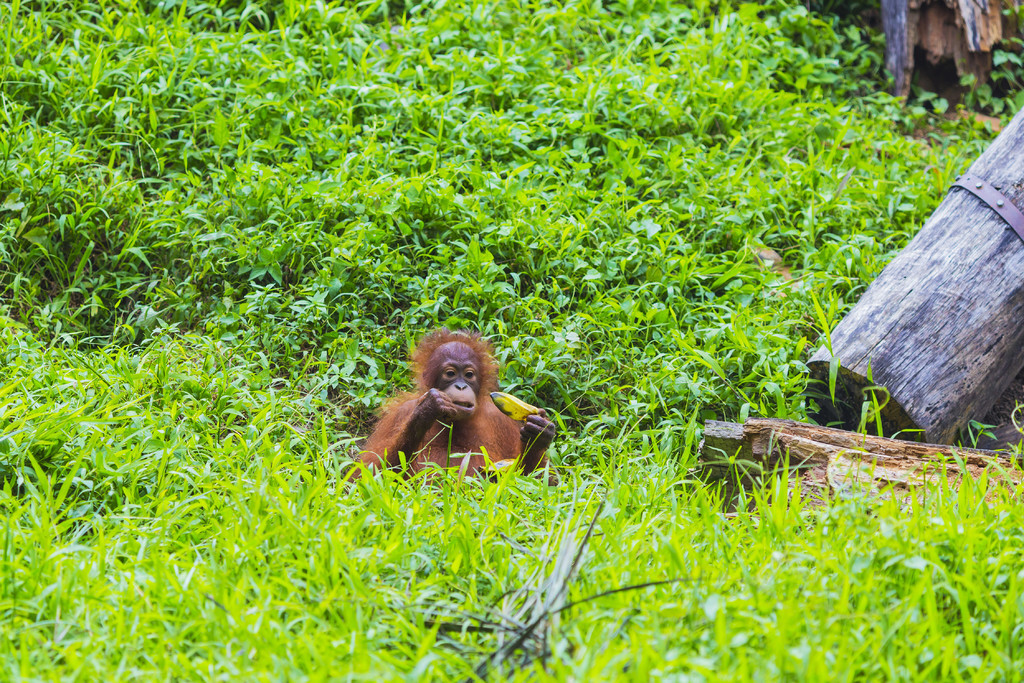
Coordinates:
223	224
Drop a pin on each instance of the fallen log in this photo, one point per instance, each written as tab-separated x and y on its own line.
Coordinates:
826	462
941	327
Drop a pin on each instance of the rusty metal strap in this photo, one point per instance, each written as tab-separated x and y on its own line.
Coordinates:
999	202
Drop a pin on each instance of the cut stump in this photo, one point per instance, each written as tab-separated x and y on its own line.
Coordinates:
942	327
939	30
826	462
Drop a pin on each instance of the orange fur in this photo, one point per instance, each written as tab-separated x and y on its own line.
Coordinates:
419	360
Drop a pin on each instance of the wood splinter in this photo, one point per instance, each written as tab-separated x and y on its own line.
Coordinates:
825	462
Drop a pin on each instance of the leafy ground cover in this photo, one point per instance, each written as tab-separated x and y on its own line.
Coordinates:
223	224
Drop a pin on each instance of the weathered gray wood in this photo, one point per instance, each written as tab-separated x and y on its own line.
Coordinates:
942	327
981	21
824	461
899	44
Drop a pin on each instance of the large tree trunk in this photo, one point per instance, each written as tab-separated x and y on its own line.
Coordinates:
825	462
942	328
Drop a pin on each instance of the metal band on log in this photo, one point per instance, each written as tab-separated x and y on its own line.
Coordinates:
942	327
996	200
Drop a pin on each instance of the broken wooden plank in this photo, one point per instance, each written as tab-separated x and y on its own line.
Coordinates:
825	462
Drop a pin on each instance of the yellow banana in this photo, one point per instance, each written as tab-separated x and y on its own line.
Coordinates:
512	406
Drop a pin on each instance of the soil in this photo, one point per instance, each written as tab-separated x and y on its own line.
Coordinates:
1000	415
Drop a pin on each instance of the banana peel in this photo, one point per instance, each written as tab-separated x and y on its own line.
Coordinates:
500	468
512	406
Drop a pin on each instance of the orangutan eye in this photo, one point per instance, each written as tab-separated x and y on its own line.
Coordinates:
449	373
469	374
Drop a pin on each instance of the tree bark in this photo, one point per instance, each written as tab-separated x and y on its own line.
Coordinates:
899	44
942	327
825	462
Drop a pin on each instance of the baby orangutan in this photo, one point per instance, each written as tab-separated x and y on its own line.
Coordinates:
450	420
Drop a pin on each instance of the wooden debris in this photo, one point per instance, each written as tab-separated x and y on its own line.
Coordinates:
826	462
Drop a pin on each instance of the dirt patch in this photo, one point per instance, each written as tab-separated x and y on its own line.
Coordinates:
1000	415
1011	398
